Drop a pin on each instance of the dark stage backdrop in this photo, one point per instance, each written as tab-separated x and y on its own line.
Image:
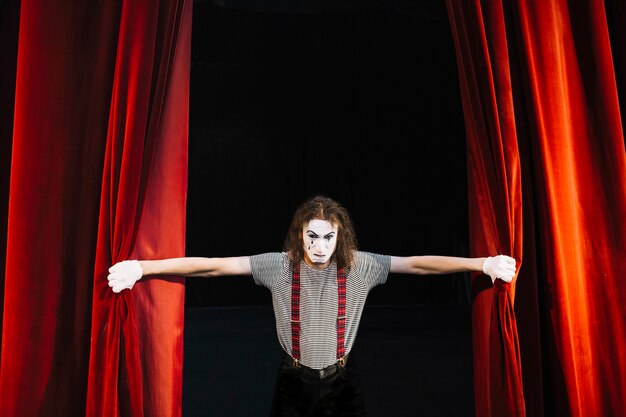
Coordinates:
362	106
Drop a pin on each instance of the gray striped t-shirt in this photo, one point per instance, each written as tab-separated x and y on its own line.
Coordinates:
318	301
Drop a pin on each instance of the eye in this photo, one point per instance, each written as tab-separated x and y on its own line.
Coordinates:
329	237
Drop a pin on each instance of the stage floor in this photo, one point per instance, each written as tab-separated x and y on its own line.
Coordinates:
413	361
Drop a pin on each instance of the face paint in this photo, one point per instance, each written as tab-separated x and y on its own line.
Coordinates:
322	238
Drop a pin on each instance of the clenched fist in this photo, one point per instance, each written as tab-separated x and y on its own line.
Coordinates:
124	274
500	266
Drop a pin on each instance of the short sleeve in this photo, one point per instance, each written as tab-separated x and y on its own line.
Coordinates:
373	268
267	268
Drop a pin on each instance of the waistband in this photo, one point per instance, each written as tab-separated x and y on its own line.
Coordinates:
318	373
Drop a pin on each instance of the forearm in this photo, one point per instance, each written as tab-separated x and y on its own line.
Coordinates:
186	267
196	266
124	274
434	265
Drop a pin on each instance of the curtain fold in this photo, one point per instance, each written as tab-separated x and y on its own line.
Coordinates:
137	336
98	173
580	170
9	27
62	90
540	77
495	199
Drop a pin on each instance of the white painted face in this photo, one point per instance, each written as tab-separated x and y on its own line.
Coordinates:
320	240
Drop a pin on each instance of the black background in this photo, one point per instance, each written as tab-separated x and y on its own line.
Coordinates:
355	100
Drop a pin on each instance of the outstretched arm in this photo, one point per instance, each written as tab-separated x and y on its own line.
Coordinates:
198	267
124	274
500	266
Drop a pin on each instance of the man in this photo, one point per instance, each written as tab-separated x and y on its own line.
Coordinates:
319	284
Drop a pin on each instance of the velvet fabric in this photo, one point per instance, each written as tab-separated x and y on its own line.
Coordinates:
98	174
547	176
97	137
9	26
495	201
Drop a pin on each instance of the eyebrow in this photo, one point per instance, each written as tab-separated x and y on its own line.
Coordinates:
326	235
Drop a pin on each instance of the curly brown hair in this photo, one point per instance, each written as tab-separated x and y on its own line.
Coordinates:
322	208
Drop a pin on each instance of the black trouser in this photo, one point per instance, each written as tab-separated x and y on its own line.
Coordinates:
301	392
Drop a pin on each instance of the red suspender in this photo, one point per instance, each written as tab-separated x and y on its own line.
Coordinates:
341	313
295	313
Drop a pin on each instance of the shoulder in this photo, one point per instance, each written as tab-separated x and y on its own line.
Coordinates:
372	268
370	262
269	259
269	268
363	258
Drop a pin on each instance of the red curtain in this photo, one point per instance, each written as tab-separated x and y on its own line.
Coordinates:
9	26
541	107
98	174
495	200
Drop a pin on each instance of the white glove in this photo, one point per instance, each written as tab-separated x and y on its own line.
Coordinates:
500	266
124	274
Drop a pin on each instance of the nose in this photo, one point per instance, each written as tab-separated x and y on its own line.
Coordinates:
319	243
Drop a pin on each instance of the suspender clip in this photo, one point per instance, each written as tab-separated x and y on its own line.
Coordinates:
342	361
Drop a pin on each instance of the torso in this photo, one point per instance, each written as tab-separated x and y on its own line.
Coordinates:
318	303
